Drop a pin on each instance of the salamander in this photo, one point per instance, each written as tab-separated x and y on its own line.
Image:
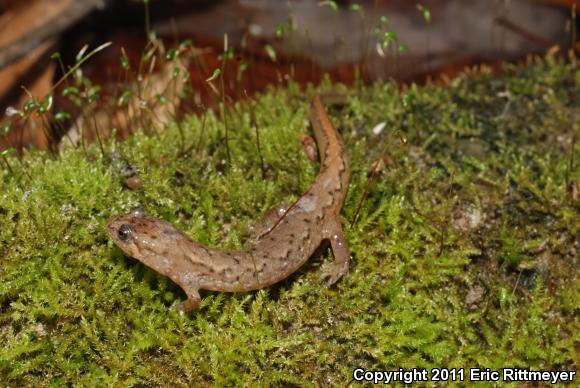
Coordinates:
281	243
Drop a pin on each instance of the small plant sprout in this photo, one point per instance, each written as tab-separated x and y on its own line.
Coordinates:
215	75
337	41
331	4
279	32
242	68
34	107
57	57
124	61
364	37
3	133
254	123
388	38
227	55
81	58
402	48
426	13
5	153
270	52
356	7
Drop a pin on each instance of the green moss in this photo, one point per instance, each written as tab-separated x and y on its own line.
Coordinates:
465	252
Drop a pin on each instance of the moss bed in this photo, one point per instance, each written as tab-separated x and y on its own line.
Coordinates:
464	253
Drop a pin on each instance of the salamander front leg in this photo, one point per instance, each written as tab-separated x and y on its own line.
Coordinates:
191	303
339	267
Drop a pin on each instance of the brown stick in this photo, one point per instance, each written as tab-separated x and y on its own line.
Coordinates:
73	13
530	37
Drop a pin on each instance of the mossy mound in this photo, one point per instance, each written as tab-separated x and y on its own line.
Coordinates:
465	250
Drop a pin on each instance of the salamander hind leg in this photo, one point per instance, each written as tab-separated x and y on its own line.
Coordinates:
332	272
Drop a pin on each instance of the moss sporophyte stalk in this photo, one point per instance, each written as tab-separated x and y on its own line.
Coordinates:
464	251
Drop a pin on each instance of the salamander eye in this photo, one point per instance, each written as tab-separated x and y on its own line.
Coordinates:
125	232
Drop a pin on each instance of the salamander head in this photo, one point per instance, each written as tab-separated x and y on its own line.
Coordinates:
152	241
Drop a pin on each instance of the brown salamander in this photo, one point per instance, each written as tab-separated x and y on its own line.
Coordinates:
282	242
